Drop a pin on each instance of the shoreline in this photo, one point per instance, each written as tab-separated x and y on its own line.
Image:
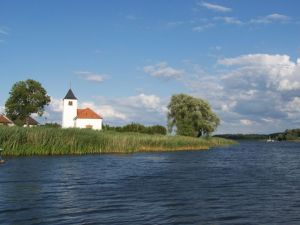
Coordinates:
19	141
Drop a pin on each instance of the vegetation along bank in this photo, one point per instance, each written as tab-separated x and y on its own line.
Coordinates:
21	141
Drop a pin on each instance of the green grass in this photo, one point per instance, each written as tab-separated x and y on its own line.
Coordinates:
19	141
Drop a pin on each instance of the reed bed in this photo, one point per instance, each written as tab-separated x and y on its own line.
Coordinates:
19	141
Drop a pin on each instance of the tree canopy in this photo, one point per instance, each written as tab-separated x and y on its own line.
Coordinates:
26	97
191	116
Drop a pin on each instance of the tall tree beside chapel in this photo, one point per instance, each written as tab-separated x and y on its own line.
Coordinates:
25	98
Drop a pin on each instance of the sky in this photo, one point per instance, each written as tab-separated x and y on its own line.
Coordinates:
125	59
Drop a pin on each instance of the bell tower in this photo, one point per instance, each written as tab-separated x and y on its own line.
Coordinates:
69	110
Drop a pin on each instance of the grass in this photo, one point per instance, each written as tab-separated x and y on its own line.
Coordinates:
19	141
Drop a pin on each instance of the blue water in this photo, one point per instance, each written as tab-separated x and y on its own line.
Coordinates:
249	183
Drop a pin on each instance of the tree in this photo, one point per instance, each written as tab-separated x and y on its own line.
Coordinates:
191	116
26	97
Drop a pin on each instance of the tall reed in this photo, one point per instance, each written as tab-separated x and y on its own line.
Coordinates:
19	141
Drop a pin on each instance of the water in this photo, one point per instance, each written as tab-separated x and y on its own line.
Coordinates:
250	183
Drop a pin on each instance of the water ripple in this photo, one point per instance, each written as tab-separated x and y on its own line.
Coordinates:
250	183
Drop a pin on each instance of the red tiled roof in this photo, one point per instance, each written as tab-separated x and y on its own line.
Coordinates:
87	114
4	119
31	121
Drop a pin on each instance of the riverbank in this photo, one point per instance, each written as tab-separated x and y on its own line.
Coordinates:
19	141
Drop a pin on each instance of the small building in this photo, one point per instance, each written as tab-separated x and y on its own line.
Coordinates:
5	121
79	118
30	122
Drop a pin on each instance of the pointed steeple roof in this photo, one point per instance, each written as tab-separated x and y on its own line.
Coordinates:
70	95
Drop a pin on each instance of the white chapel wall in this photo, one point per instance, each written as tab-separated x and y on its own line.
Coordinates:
95	124
69	113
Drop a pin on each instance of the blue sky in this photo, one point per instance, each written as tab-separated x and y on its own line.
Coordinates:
126	58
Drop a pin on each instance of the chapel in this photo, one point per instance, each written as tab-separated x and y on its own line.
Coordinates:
79	118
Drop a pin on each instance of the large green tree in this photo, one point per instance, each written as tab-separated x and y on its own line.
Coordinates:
26	97
191	116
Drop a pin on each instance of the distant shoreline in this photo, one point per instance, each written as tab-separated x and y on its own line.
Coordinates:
287	135
19	141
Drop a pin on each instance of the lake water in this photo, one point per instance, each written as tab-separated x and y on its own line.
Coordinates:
249	183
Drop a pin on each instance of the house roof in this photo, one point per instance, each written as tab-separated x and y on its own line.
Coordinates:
4	119
70	95
31	121
87	114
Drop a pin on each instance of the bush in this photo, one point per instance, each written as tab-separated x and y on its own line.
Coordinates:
138	128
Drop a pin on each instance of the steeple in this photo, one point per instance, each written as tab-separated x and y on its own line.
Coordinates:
70	95
69	110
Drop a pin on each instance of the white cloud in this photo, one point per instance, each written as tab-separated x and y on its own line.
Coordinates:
89	76
56	105
162	70
148	102
110	113
256	60
246	122
263	88
215	7
272	18
272	71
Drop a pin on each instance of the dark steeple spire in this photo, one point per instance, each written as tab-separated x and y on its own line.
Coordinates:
70	95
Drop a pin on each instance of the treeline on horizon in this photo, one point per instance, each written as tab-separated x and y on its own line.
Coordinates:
137	128
287	135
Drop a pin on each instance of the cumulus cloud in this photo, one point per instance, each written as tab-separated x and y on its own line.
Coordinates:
261	88
148	102
90	76
109	112
215	7
272	71
162	70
